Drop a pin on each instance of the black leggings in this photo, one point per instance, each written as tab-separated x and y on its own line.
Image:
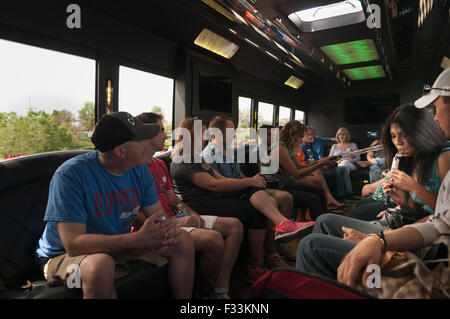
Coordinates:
241	209
368	209
308	197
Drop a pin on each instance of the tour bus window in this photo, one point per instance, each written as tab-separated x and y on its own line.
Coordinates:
265	114
141	91
47	100
243	129
300	116
284	115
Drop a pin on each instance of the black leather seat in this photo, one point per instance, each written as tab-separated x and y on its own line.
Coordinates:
24	185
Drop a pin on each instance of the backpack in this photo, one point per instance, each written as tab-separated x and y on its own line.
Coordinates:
293	284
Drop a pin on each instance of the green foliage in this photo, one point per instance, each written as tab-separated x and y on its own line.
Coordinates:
41	132
87	116
157	109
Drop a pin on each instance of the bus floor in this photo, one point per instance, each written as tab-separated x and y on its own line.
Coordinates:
239	286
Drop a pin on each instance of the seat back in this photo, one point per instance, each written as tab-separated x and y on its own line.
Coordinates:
24	185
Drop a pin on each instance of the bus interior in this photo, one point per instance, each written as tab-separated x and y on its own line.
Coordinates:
256	61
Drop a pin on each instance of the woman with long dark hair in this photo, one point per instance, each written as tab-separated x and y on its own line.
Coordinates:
414	134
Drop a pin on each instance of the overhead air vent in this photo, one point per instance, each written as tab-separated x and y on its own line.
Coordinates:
330	16
294	82
217	44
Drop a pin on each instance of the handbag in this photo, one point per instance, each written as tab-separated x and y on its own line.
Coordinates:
398	218
406	276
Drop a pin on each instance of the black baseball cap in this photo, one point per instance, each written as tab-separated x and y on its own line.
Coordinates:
120	127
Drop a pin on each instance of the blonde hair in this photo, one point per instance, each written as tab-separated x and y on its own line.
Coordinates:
345	131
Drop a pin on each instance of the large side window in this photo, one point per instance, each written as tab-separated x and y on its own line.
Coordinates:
46	101
141	91
300	116
265	114
284	115
243	129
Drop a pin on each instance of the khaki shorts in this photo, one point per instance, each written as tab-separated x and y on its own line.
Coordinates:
59	268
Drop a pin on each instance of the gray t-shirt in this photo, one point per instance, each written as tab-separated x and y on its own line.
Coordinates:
183	186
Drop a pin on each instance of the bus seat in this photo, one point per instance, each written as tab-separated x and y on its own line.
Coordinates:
24	188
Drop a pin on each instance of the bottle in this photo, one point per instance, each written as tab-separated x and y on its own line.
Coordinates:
181	211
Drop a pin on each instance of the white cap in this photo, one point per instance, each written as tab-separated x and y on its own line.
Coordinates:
441	87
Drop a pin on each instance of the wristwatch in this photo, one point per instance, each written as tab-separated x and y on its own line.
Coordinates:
381	238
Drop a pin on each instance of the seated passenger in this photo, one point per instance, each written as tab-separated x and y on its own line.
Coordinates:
342	146
216	255
93	201
309	197
307	178
415	236
425	152
376	163
412	132
276	204
201	187
319	144
340	174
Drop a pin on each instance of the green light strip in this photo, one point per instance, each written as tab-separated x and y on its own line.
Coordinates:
351	52
364	73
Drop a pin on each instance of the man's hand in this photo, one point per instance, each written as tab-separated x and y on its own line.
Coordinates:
365	253
258	181
353	235
150	234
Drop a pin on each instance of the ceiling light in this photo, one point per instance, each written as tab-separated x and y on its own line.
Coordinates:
351	52
288	65
364	73
294	82
330	16
296	60
219	9
239	18
271	55
251	42
281	47
217	44
261	33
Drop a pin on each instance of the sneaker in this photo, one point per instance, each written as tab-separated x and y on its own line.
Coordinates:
253	274
276	261
284	250
289	230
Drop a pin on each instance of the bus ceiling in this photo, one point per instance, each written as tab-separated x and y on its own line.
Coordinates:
352	45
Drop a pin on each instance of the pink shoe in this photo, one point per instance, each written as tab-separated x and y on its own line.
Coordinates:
289	230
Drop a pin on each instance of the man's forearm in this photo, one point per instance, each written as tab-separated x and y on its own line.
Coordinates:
405	238
87	244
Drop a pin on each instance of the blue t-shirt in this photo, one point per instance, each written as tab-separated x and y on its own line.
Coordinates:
319	144
310	153
214	157
83	191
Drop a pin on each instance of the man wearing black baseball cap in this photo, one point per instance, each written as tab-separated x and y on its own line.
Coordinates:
93	201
